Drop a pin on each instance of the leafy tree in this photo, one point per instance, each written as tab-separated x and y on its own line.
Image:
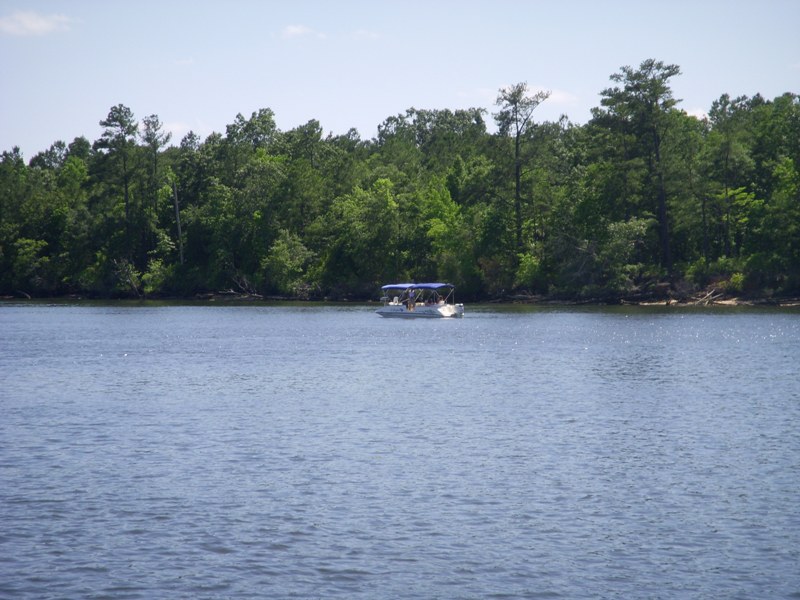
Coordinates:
53	158
450	253
515	119
600	210
730	165
30	264
116	146
242	138
13	176
80	148
72	246
443	136
692	191
341	163
303	194
155	140
260	209
396	155
287	266
363	239
211	236
640	108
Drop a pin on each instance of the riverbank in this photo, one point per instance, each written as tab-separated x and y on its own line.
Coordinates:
706	297
709	297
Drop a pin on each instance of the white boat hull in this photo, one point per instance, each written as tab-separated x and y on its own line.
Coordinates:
422	311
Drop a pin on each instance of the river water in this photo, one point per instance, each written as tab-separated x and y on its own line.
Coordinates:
169	451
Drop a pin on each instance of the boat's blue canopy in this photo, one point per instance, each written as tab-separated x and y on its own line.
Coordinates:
416	286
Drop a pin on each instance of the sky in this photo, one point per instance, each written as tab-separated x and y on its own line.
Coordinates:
352	64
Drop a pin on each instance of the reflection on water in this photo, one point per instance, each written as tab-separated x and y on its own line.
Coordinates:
163	451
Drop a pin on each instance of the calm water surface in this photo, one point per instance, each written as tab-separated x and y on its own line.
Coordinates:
324	452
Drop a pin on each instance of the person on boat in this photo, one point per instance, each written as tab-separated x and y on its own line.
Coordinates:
410	299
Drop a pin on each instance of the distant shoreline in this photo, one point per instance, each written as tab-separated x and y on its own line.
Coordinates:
704	299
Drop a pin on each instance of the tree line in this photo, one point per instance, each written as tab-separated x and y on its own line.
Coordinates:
642	200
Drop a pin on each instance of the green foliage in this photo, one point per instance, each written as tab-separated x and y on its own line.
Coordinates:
735	284
126	278
363	232
530	275
639	115
642	192
718	272
287	266
30	264
158	277
617	257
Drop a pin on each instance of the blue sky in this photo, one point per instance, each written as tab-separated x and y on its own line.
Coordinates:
196	64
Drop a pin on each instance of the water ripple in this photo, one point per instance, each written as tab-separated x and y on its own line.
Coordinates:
251	452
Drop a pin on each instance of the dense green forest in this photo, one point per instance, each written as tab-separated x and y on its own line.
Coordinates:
642	201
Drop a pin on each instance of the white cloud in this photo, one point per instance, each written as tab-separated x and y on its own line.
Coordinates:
31	23
482	96
698	113
488	96
178	130
200	127
296	31
562	98
365	34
